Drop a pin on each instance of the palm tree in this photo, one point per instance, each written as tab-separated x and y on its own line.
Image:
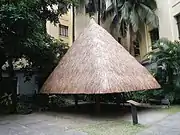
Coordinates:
94	6
131	15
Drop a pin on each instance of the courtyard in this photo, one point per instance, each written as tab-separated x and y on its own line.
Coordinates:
152	122
90	67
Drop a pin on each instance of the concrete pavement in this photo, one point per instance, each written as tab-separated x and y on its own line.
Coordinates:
37	124
168	126
64	124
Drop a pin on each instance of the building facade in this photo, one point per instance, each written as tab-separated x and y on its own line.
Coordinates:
82	19
169	18
169	26
168	13
63	30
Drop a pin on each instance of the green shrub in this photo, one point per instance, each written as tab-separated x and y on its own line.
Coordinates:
23	108
56	101
6	99
6	103
164	64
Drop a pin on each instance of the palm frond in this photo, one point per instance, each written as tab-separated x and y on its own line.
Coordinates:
123	28
148	16
80	6
152	4
125	10
114	21
134	19
167	59
110	11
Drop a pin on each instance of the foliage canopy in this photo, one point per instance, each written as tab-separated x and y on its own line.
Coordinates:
23	33
164	63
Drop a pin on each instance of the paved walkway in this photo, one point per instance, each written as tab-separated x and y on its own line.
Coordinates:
148	117
40	124
168	126
64	124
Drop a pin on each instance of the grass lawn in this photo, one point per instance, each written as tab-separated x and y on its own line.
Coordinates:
112	128
120	127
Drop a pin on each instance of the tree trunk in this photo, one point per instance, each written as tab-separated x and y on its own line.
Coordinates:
99	12
76	101
97	98
2	62
128	38
43	18
13	84
130	44
0	74
73	23
118	100
10	69
44	26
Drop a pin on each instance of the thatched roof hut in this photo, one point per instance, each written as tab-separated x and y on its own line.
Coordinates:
97	64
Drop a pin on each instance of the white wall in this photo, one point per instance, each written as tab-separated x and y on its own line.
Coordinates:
165	19
82	19
175	11
167	10
174	2
52	29
25	88
65	20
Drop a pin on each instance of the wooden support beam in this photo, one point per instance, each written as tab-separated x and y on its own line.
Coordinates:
134	105
123	98
118	99
134	114
76	100
97	104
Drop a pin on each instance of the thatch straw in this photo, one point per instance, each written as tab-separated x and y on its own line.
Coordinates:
96	64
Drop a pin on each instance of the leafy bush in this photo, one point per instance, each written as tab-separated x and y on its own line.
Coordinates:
164	64
6	103
57	101
144	96
6	99
24	104
23	108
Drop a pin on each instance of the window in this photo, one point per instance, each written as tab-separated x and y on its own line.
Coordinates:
91	7
154	35
136	48
178	24
119	40
63	30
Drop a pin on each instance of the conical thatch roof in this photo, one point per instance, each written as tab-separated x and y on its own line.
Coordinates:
96	64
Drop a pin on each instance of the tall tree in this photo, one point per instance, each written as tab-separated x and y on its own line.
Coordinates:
92	7
22	30
131	15
128	15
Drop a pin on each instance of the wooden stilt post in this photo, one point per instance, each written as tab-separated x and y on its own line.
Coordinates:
123	98
134	114
97	104
117	99
76	100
